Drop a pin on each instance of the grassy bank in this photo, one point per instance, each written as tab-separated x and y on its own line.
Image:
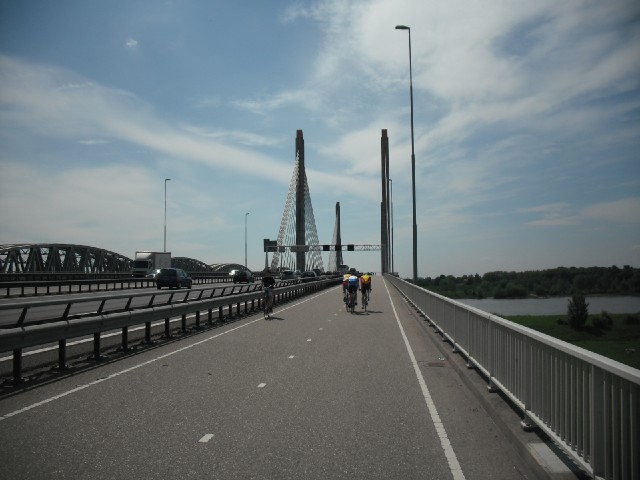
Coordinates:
619	341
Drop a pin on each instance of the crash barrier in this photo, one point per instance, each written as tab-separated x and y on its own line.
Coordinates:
588	404
33	287
26	288
17	338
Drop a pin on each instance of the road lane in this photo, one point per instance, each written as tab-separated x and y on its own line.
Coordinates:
314	393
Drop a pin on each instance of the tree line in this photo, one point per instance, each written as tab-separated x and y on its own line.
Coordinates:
561	281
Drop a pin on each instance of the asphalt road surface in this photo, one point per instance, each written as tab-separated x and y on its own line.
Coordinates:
313	393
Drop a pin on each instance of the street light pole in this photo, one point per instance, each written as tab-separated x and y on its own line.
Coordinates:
245	239
391	205
165	213
413	165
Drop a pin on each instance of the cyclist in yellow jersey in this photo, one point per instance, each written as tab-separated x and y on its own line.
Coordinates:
365	284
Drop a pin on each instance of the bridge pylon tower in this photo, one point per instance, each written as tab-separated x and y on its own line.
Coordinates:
335	257
298	225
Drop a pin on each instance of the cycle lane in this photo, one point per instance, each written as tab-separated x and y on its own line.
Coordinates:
315	393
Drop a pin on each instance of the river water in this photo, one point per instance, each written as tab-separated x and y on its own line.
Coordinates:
553	306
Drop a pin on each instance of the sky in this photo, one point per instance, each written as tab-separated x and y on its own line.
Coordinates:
526	127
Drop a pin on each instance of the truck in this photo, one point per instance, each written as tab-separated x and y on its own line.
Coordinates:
343	269
145	264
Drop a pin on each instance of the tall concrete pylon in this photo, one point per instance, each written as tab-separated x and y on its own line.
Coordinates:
298	225
335	257
385	222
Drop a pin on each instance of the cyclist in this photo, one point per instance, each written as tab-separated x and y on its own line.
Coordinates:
352	286
345	280
365	285
268	282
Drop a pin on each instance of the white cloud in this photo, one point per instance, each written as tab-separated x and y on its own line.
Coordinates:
621	211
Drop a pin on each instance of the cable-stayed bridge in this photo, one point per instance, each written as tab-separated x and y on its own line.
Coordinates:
297	246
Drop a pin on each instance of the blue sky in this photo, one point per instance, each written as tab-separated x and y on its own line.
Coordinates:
527	127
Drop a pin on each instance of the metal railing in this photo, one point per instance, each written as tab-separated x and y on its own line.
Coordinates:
25	334
28	288
588	404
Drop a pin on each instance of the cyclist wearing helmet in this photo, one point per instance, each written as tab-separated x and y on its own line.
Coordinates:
352	286
365	285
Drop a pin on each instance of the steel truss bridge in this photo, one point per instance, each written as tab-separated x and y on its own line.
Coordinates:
70	258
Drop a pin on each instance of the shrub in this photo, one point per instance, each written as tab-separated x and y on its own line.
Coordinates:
632	319
602	321
577	312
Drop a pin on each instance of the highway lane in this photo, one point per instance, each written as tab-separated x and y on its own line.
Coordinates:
314	393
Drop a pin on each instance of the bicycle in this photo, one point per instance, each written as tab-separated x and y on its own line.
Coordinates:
351	301
267	303
365	299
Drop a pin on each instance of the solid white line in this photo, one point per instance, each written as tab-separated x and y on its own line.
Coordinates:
148	362
452	459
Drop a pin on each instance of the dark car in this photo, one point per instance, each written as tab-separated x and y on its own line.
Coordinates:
308	276
288	275
241	276
173	278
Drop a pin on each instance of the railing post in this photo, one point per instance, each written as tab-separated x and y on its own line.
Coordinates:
17	366
147	333
96	347
184	323
62	355
125	339
167	327
598	434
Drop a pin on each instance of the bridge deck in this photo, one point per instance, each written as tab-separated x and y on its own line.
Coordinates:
315	392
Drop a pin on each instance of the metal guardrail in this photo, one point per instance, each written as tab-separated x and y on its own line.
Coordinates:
17	338
156	298
24	288
588	404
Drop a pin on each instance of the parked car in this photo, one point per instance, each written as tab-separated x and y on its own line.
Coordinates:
288	275
308	276
173	277
241	276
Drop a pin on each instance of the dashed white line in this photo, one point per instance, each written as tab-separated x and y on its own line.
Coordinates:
262	385
206	438
143	364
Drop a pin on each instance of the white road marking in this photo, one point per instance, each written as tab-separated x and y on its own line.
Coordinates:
206	438
308	339
452	459
291	356
148	362
262	385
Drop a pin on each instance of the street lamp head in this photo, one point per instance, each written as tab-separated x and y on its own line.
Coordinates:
167	179
402	27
